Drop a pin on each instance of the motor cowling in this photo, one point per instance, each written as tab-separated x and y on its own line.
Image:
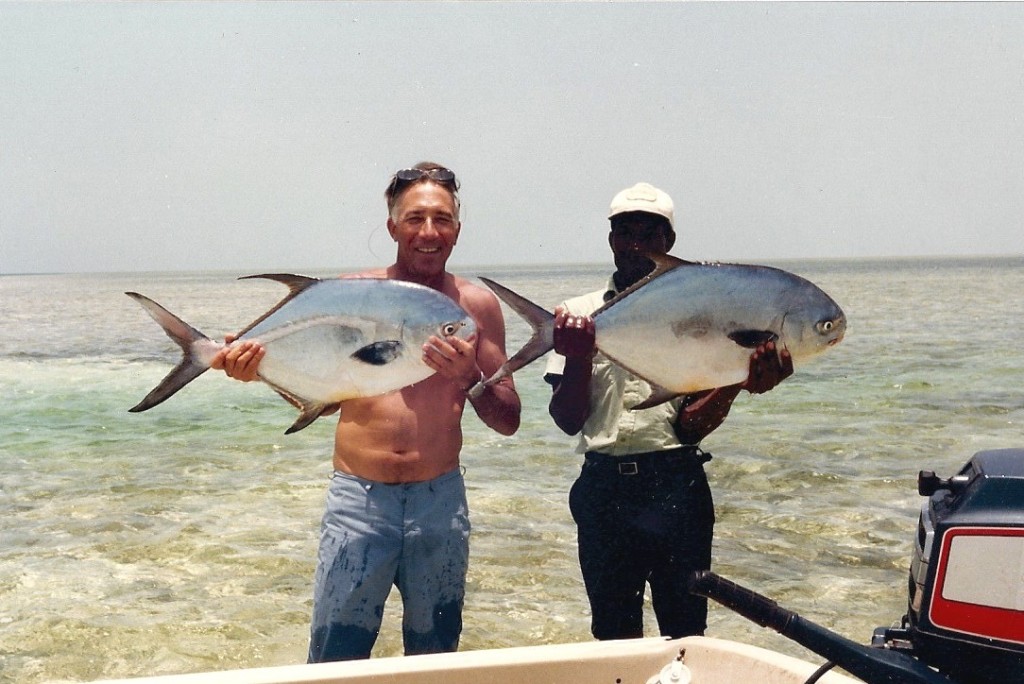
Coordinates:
966	588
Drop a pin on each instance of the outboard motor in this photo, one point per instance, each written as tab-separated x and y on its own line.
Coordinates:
965	613
965	618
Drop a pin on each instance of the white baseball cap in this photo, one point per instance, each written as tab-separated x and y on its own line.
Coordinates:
643	197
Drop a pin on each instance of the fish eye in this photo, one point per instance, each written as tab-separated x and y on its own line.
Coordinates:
826	326
449	329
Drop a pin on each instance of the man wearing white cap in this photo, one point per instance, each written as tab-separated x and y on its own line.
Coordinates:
642	505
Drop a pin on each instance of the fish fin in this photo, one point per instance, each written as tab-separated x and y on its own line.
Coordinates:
308	410
542	322
308	414
659	395
749	339
379	353
197	351
296	285
663	263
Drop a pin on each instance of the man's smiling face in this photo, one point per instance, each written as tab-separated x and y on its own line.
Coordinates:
425	224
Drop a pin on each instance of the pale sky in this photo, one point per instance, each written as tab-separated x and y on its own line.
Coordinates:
260	136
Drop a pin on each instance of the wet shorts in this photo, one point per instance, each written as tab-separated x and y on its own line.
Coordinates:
413	536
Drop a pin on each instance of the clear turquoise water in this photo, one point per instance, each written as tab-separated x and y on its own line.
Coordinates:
182	539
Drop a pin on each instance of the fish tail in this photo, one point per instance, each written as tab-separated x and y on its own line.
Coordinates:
198	350
542	322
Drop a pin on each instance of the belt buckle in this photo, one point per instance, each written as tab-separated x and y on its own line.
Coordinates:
628	468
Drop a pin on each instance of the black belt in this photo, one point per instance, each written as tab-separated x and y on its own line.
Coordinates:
649	462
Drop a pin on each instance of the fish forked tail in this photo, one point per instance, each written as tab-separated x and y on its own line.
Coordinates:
542	322
198	350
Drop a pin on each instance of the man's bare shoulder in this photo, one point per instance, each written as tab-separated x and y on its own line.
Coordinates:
472	294
470	288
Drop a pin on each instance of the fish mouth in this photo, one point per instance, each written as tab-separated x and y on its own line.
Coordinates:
840	323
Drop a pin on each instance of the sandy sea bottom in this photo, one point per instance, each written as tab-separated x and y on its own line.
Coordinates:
183	539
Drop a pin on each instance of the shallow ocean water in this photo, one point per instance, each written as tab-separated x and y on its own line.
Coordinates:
183	539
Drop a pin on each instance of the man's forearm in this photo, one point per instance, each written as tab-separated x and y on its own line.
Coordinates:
570	402
702	416
498	406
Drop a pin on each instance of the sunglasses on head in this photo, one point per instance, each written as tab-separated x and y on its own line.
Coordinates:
406	177
441	175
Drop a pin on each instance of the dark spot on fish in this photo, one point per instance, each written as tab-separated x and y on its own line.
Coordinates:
379	353
695	326
752	338
346	336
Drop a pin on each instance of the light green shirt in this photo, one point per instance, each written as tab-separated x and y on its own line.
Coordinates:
610	427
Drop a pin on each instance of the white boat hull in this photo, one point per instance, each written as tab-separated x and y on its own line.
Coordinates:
633	661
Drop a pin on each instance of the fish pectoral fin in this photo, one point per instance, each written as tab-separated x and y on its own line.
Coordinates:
379	353
750	339
658	396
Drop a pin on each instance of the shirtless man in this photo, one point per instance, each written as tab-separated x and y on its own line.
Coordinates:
396	507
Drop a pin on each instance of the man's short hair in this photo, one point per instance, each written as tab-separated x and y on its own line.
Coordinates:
423	172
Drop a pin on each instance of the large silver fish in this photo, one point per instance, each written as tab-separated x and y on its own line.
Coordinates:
693	326
327	341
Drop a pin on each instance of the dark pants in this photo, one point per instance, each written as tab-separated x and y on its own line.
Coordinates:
644	518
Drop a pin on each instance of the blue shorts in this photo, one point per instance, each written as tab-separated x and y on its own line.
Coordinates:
413	536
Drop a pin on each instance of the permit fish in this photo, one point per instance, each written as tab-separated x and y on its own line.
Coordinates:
692	326
326	341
